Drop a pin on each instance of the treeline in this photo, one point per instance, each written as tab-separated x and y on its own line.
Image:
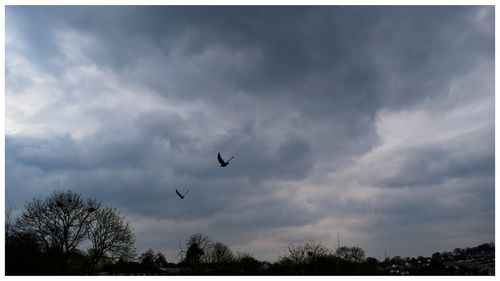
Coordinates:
67	235
203	256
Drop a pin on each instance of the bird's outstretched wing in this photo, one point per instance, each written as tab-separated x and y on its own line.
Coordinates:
221	161
180	195
185	193
230	159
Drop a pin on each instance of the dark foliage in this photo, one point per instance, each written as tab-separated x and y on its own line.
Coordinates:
23	257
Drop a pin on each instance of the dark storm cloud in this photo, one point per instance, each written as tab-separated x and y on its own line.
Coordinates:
349	55
327	63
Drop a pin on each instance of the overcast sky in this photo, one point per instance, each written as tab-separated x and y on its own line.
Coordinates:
373	122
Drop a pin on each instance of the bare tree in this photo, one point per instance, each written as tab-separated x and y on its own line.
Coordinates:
64	221
198	248
203	241
60	223
302	253
111	237
353	254
219	253
8	222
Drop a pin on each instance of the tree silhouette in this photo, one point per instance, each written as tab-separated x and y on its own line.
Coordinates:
301	253
64	221
111	237
219	253
148	257
247	263
194	254
24	257
199	245
307	258
353	254
160	260
8	222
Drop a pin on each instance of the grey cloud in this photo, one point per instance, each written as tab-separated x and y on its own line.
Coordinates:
165	125
63	152
429	218
434	223
291	160
441	202
341	44
468	155
255	159
328	63
57	153
273	214
114	170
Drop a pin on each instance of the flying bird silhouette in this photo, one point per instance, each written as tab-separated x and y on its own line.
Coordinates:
181	195
222	162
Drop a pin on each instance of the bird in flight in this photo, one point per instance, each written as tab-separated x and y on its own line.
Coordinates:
181	195
222	162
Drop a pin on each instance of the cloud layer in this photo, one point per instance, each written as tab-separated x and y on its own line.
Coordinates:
373	122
